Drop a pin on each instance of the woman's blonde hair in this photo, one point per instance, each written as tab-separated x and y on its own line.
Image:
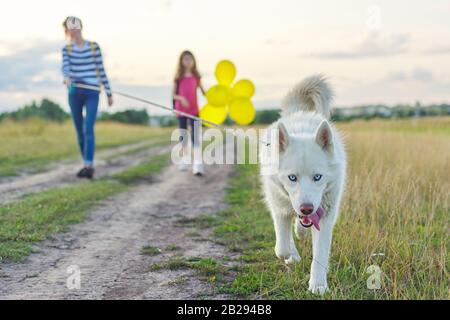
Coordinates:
181	70
66	29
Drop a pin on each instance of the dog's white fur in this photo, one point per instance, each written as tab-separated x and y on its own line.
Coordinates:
308	145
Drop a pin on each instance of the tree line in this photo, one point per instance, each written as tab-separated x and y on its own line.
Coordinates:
51	111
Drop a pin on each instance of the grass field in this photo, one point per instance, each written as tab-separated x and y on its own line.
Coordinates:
35	143
433	125
395	215
395	212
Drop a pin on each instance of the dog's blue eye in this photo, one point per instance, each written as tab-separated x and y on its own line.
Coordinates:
292	177
317	177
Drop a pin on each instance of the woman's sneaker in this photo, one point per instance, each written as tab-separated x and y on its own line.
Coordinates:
197	169
86	172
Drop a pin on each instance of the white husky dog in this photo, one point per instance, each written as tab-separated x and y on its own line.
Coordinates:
306	189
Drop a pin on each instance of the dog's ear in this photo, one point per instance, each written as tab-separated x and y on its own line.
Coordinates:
283	137
324	137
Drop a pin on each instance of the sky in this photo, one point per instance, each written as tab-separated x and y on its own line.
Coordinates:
381	51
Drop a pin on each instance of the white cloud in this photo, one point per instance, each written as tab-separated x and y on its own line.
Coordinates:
422	74
30	66
438	51
374	45
418	74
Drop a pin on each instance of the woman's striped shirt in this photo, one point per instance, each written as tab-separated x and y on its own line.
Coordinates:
85	65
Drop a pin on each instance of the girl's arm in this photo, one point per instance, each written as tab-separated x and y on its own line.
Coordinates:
200	85
102	74
65	66
177	97
101	70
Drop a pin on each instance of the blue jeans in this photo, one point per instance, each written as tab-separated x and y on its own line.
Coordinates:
183	123
78	99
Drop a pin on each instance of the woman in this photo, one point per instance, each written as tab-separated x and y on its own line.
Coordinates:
186	83
83	65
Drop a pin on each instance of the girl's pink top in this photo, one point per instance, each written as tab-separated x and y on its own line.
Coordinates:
187	87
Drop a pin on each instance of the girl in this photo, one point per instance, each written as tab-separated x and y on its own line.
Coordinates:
83	64
187	80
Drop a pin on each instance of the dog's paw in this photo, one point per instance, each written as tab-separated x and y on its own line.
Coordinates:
318	288
294	256
288	255
292	259
282	252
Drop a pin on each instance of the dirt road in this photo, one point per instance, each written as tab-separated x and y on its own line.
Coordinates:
63	172
107	246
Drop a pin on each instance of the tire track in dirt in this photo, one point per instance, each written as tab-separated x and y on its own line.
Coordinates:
107	246
62	173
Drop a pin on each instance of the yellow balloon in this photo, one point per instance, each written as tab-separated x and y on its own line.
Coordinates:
217	95
213	114
225	72
242	111
243	88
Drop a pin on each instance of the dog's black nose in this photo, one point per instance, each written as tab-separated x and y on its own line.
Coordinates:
306	208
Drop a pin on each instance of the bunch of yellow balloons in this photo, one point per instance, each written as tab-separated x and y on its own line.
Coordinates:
225	98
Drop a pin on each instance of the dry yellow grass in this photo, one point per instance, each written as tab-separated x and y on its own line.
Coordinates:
440	125
397	203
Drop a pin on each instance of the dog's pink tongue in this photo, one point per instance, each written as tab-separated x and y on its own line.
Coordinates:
315	218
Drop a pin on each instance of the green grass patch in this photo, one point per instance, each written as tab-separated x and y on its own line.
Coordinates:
172	247
158	142
153	251
150	251
207	268
143	171
201	221
193	234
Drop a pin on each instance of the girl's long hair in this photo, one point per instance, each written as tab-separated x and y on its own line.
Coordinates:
181	70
